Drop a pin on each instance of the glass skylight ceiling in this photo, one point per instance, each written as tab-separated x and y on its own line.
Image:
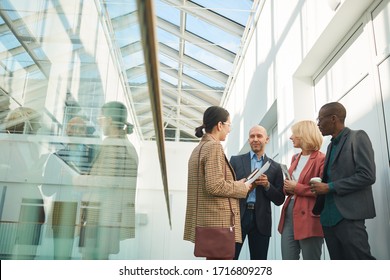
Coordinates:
198	44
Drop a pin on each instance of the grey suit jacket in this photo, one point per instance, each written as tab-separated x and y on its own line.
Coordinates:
352	173
242	168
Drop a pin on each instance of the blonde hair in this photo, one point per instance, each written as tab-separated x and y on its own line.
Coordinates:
20	119
308	132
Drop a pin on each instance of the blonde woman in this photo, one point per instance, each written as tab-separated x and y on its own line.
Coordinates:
301	230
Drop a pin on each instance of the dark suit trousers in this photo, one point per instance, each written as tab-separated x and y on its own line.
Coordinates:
258	243
348	240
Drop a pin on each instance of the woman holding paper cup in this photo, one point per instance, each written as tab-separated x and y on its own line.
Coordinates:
301	230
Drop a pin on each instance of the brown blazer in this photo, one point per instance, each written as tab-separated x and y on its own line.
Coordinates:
213	190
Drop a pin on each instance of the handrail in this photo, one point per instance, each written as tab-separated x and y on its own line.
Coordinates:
147	20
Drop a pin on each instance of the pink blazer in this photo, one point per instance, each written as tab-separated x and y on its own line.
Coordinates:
306	224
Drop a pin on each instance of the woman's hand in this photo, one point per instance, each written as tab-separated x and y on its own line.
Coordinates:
289	186
248	185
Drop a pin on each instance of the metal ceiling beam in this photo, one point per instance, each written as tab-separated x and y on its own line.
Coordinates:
208	96
208	93
196	40
188	113
189	80
195	64
139	94
171	104
149	134
15	30
131	48
124	21
209	16
143	108
135	72
12	52
168	88
182	124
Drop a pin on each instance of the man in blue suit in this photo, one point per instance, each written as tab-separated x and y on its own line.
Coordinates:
255	210
345	196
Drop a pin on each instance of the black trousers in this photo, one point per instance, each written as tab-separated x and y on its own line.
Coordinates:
258	243
348	240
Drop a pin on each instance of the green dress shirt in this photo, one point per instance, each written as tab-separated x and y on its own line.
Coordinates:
330	215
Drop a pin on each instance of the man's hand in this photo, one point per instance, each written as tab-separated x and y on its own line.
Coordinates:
319	188
263	181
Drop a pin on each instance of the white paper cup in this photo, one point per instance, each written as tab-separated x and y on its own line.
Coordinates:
315	179
312	180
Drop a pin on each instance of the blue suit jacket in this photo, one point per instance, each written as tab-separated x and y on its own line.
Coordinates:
242	168
352	174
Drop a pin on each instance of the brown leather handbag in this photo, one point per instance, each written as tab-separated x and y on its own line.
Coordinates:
214	242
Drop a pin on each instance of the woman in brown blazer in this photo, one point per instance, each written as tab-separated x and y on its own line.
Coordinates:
211	179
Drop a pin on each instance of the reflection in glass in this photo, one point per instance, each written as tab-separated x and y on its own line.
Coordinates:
63	169
21	205
108	203
65	59
65	198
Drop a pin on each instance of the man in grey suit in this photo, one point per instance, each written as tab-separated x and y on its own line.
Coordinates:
345	196
255	209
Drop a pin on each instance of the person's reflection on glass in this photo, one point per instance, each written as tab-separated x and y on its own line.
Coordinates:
78	157
107	210
4	109
22	211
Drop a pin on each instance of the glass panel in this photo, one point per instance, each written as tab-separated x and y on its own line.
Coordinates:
167	12
8	41
235	10
138	80
133	60
202	78
68	163
39	54
118	8
168	78
127	36
168	39
208	58
18	61
212	33
174	64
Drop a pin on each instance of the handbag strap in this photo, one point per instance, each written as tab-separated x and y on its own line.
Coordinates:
232	221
